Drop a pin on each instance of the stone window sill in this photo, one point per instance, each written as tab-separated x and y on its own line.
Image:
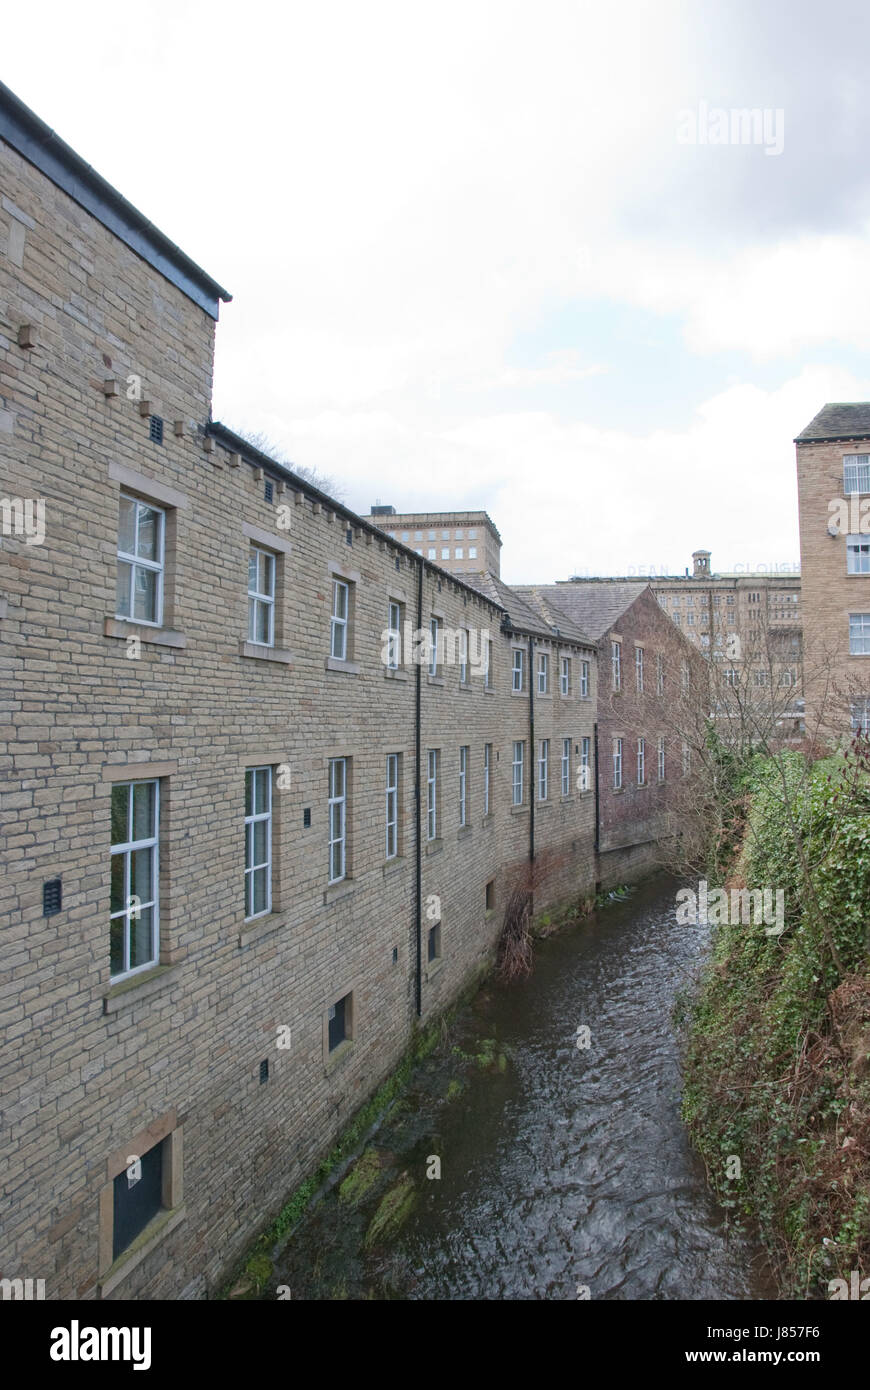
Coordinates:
567	799
463	832
486	821
488	690
157	636
392	674
261	926
519	693
519	810
435	680
336	891
155	1232
543	805
259	652
434	846
127	993
465	685
337	1058
350	668
394	866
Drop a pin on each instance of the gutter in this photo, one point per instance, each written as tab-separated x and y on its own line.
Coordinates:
418	810
532	755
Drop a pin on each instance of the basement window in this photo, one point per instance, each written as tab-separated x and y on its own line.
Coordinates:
339	1019
434	943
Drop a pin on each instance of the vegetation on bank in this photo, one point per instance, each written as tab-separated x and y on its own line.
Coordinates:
777	1077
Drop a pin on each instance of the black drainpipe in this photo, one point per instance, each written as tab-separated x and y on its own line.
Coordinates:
532	749
418	833
597	798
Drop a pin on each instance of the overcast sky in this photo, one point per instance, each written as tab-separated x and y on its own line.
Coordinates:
472	263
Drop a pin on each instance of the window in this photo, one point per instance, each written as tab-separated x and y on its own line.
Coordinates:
732	676
463	656
517	775
261	597
337	819
641	761
690	619
430	553
339	1022
457	535
141	532
543	769
660	674
392	793
661	770
430	536
463	786
729	600
258	841
761	676
432	795
133	909
136	1200
859	634
434	635
338	633
445	535
566	767
405	537
585	765
676	618
517	669
617	763
487	765
394	635
856	473
565	675
687	758
860	710
472	552
489	896
690	600
445	552
418	535
584	680
433	943
458	552
615	665
472	535
487	667
638	668
543	672
858	554
753	597
684	676
787	678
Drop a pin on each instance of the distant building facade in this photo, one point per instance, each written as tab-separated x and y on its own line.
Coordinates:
460	542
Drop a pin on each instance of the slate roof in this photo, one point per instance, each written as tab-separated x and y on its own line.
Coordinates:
838	420
592	607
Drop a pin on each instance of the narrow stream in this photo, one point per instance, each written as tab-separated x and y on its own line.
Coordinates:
562	1167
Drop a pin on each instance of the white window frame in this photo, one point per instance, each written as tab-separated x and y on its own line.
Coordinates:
261	598
434	637
638	669
517	788
586	762
859	634
856	470
517	669
661	759
127	848
584	680
487	664
255	818
687	758
543	672
616	665
463	785
392	806
617	763
487	766
432	794
337	806
394	634
859	711
565	675
463	656
339	621
543	769
566	767
135	562
641	762
857	550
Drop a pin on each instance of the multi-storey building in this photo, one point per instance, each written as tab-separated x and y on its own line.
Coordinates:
461	542
270	770
833	475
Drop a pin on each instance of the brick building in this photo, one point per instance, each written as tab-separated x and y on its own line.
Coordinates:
256	831
833	476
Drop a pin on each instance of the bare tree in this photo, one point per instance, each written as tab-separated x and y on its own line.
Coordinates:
324	482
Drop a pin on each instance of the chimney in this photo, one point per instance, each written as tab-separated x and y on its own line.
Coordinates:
700	564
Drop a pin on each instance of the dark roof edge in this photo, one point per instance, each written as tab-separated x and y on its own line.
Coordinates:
237	444
40	146
830	438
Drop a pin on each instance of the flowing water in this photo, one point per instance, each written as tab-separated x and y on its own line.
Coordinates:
564	1168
